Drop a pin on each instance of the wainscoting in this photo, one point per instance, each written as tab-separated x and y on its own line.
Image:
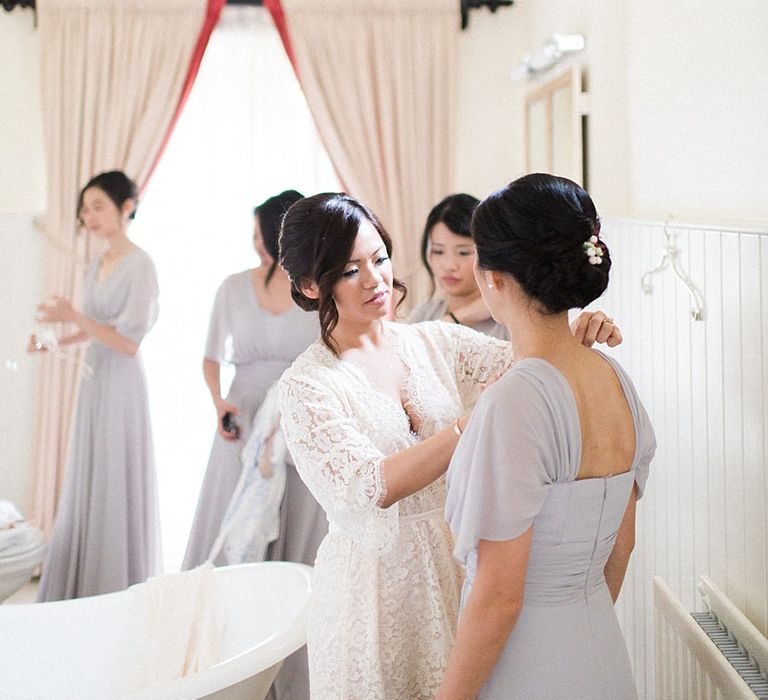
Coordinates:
705	385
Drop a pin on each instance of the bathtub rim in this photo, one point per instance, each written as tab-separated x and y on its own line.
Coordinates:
239	667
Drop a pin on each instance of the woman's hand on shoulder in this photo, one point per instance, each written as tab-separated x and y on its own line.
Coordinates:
592	327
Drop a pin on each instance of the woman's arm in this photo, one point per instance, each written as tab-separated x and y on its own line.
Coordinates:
59	309
617	563
79	338
416	467
212	376
489	616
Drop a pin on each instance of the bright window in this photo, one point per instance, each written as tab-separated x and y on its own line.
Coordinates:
244	135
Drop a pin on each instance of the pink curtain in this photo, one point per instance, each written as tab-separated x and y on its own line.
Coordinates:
115	75
379	79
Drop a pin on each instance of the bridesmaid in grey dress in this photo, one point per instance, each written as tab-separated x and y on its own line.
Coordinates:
257	327
448	254
106	533
543	484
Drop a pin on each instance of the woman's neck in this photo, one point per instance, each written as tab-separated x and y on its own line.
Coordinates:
538	335
454	302
118	245
361	337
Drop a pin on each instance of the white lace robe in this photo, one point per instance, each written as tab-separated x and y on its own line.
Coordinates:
386	589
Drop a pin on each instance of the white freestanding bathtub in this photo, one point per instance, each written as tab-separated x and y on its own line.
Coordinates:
92	647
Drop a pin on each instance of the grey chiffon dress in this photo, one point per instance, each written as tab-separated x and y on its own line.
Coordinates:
516	465
260	345
435	309
106	534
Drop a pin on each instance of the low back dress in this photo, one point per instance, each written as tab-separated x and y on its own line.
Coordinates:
516	465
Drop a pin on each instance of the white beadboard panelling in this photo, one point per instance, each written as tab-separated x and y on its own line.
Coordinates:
705	385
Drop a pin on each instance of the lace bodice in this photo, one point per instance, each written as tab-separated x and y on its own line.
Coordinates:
339	428
385	588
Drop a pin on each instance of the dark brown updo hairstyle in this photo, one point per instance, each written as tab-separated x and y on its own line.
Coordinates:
316	242
270	214
116	185
535	229
455	211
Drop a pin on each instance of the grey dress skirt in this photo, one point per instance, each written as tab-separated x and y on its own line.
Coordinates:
106	533
515	466
435	309
260	345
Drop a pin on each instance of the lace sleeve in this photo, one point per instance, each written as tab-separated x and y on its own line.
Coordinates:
477	358
339	464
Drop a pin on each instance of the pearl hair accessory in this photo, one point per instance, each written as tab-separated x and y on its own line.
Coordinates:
594	252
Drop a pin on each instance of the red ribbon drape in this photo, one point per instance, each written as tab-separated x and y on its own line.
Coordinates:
278	17
212	14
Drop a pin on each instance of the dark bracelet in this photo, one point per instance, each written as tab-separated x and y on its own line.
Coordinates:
453	316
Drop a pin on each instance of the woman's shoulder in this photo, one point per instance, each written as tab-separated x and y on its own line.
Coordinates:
315	364
236	279
140	262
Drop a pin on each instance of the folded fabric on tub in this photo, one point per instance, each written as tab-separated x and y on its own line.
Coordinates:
184	618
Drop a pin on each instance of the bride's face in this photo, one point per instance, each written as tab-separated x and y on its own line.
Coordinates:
365	289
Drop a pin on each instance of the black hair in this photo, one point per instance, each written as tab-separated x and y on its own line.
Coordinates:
116	185
316	240
455	211
270	215
535	229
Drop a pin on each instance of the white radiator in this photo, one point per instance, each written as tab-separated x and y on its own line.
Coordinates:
715	655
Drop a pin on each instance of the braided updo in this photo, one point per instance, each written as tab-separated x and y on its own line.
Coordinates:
535	229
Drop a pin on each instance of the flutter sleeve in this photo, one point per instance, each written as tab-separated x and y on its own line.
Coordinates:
646	449
339	464
217	343
140	308
503	466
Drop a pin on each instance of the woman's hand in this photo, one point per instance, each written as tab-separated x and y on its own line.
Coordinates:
592	327
35	346
56	309
494	378
223	407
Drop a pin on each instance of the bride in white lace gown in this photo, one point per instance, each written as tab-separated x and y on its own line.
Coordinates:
372	413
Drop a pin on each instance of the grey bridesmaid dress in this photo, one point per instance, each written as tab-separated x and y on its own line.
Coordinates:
516	465
106	533
260	345
434	309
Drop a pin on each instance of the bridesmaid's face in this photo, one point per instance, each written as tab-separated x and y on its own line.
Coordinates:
451	258
364	291
100	216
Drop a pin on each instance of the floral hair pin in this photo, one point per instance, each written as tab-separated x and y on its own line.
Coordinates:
593	250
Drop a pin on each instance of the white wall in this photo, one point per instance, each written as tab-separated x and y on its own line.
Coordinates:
22	177
678	103
22	196
699	110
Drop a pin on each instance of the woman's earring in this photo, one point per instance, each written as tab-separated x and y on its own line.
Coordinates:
490	285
